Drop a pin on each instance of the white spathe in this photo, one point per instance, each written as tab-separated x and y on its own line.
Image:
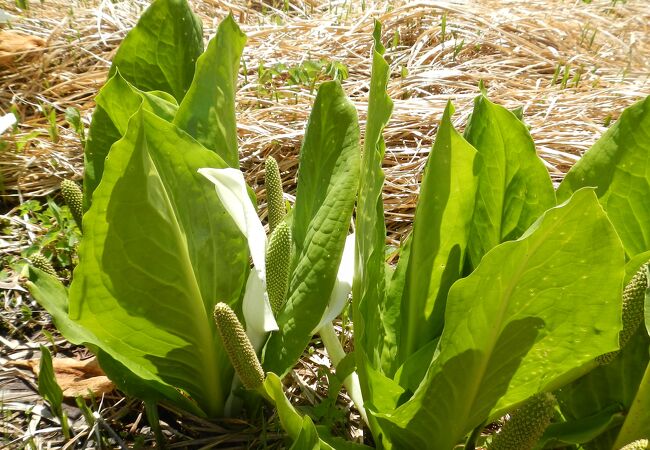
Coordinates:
342	286
6	122
231	189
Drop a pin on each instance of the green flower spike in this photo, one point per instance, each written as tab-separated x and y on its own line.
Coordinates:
74	199
274	199
238	347
526	424
278	265
42	263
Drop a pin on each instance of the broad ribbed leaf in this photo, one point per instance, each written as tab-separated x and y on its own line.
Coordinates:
327	184
52	295
117	101
160	52
440	235
514	187
208	110
159	251
618	165
532	312
377	339
621	383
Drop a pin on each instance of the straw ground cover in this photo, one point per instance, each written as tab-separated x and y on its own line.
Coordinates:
567	65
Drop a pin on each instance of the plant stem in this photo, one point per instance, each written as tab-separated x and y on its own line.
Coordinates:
470	444
336	354
65	426
151	410
635	425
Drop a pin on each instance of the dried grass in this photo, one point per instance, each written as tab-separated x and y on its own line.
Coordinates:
515	47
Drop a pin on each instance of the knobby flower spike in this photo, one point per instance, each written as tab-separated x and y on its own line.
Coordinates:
273	185
238	346
74	198
278	259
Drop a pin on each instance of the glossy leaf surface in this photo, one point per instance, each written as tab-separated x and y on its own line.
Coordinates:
514	187
440	235
327	183
612	385
207	111
152	262
618	165
160	52
512	328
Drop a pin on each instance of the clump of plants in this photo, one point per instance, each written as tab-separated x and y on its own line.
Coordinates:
507	298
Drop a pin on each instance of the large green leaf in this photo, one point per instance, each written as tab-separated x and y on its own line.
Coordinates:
440	235
208	110
117	101
532	312
378	339
514	187
624	383
160	52
327	183
158	252
618	165
52	295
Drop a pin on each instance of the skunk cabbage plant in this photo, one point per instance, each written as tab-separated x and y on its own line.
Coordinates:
160	248
609	406
506	291
501	291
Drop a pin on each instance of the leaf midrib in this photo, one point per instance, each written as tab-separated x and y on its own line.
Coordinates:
210	376
503	307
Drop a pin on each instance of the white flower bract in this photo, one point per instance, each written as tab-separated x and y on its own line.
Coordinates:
231	189
6	122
